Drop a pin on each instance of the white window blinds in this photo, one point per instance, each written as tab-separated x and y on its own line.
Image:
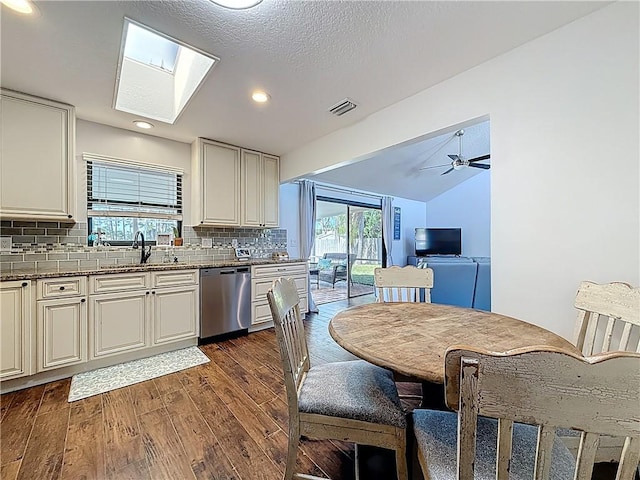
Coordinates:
121	188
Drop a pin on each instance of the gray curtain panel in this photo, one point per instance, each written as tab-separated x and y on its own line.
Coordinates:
387	227
308	228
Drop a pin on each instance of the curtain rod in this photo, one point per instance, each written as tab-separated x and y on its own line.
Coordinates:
344	190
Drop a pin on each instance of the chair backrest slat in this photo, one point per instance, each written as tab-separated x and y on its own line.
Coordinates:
467	419
619	302
503	457
626	335
630	458
550	388
587	455
285	311
546	435
403	284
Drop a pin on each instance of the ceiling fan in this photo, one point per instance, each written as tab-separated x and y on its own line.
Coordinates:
459	162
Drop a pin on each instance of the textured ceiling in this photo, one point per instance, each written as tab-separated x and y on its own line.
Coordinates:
307	54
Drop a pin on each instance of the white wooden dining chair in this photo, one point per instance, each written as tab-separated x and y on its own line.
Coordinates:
348	401
608	319
501	398
617	304
403	284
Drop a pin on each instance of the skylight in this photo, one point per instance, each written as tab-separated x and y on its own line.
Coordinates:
150	48
157	74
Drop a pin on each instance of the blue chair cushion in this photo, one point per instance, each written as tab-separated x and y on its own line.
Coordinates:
356	390
324	263
436	435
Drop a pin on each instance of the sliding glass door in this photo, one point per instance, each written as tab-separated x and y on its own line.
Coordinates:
365	247
347	248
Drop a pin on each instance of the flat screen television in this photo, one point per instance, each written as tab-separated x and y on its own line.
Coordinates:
438	241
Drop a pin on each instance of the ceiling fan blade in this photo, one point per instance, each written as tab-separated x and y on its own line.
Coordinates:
479	159
450	170
480	165
435	166
454	157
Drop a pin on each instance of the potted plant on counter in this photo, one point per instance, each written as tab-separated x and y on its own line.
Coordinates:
177	240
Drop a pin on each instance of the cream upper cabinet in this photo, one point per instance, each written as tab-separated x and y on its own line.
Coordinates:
15	329
36	162
260	189
216	183
271	190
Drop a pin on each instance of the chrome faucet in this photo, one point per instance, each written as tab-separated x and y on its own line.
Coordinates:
144	254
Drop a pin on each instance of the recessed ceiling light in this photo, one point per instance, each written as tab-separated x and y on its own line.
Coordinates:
237	4
260	96
20	6
143	124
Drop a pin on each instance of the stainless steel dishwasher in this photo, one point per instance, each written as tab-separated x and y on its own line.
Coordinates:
225	301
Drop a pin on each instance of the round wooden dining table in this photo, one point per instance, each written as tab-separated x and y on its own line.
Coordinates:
411	338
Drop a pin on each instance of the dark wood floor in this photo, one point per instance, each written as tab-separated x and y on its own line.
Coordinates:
226	419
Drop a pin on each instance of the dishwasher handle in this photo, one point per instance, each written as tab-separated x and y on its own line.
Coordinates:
227	272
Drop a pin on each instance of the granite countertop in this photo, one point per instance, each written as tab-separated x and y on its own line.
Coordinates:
147	267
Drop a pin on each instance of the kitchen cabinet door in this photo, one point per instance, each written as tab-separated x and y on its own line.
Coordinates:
260	189
37	148
15	329
271	191
62	332
252	189
119	322
216	183
175	314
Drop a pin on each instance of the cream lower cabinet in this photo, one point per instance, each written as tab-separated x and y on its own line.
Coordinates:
61	322
176	306
15	329
119	322
118	312
141	310
262	277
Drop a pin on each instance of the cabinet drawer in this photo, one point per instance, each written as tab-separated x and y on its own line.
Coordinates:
279	270
118	283
61	287
261	313
175	278
260	287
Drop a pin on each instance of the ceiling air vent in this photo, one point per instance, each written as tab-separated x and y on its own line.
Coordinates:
343	107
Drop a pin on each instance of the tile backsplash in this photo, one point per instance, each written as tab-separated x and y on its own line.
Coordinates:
52	246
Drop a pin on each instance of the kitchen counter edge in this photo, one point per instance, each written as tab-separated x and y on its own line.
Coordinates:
154	267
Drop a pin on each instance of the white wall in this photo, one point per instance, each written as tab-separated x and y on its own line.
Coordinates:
466	206
412	216
290	217
115	142
565	142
